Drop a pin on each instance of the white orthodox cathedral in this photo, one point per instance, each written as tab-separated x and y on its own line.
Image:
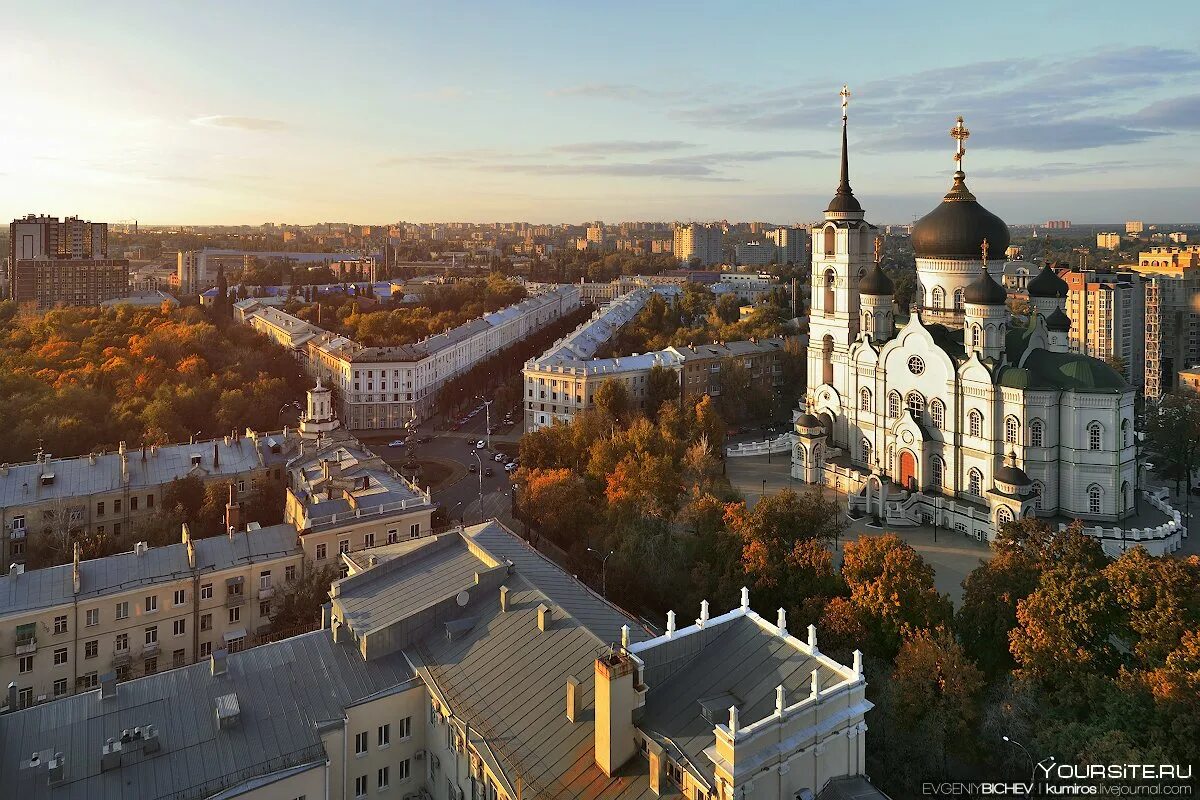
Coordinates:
956	413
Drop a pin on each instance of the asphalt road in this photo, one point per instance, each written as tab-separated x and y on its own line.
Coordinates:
461	498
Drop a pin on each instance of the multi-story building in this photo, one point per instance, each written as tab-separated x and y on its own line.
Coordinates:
386	387
700	365
1108	319
1178	237
791	244
749	286
1058	224
754	254
1108	241
1134	227
1172	303
703	243
139	612
595	237
112	492
469	666
53	262
1190	379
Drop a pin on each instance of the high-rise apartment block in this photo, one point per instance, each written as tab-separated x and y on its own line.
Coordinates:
1108	319
790	244
63	262
1172	313
1108	241
700	242
1058	224
1134	226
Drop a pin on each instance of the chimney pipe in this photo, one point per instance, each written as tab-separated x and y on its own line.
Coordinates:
219	662
543	617
572	698
503	599
233	512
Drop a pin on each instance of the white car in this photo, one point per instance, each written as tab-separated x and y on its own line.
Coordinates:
480	445
396	443
1148	466
510	466
500	457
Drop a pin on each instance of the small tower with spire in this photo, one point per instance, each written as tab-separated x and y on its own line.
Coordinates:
986	318
319	419
875	292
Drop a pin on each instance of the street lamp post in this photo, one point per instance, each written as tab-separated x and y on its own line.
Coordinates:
487	420
1032	763
480	463
603	570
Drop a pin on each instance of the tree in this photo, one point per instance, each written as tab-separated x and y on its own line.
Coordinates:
1174	432
662	386
728	308
297	604
645	484
611	399
1159	599
556	502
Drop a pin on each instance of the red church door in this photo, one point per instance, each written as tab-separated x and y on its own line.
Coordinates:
908	470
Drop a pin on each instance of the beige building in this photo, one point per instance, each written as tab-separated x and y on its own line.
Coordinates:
1172	302
1108	319
1108	241
703	242
63	262
1134	227
1190	379
469	666
138	613
108	493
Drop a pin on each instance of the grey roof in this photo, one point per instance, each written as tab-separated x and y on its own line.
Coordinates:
44	588
855	787
741	666
285	691
583	342
405	584
21	484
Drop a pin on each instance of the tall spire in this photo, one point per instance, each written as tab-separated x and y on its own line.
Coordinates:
844	200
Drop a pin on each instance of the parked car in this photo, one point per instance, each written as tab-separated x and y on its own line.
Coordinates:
1146	465
424	439
396	443
480	444
472	468
487	472
500	457
510	466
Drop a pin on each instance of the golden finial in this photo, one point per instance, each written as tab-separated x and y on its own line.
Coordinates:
845	95
878	249
960	134
984	247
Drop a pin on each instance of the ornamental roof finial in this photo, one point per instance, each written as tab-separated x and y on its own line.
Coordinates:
960	134
984	248
845	95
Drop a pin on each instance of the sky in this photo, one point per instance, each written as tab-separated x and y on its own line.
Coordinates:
302	112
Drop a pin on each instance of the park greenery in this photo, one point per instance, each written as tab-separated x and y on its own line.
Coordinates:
1054	644
74	380
699	317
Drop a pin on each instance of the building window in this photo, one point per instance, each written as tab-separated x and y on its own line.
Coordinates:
958	299
939	297
264	580
360	743
1094	494
116	506
151	604
25	664
939	470
321	552
121	643
60	624
402	771
100	509
864	400
92	616
393	536
916	404
975	482
894	404
1124	433
206	591
937	413
1037	490
206	622
385	735
1036	433
60	687
60	656
1003	515
133	503
1010	430
91	649
344	546
151	665
1094	436
866	452
235	614
205	649
414	530
360	786
264	608
152	634
369	540
180	597
975	423
289	573
404	729
179	627
383	778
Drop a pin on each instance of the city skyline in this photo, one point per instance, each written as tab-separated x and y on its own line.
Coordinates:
466	113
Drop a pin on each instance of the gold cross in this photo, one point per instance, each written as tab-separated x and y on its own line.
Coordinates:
845	95
984	247
960	133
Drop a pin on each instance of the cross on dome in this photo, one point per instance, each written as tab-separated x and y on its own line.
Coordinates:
845	95
960	134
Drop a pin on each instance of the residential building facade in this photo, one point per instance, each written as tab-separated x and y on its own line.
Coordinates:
696	241
1108	319
63	262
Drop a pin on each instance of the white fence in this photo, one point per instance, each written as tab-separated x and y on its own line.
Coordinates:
780	444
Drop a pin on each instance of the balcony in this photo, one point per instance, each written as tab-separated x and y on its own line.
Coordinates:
150	650
26	645
121	658
266	592
232	599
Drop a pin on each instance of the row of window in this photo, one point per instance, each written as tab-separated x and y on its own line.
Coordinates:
383	778
393	536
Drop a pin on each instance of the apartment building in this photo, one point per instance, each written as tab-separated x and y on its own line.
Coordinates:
386	387
701	242
1134	227
754	254
791	244
700	365
469	666
1108	318
1172	303
63	262
1108	241
141	612
108	492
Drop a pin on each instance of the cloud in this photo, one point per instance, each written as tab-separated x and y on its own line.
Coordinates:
239	123
1180	113
620	146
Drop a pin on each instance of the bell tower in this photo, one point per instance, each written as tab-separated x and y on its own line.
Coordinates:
841	247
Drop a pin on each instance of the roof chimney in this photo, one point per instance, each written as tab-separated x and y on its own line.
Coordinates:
503	598
616	700
108	686
191	546
216	456
219	661
572	698
544	618
16	569
75	569
233	512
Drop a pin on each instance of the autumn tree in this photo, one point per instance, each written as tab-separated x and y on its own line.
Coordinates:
662	386
611	398
556	502
297	604
1173	430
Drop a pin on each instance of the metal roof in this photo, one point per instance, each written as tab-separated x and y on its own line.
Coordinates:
44	588
285	691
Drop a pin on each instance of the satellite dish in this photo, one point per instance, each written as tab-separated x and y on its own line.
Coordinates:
462	599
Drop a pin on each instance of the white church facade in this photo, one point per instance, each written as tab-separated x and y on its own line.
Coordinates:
961	415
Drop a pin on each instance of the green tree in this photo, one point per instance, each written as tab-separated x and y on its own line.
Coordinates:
297	604
1173	430
662	386
611	399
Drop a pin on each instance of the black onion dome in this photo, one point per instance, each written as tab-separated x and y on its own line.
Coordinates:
984	291
1012	475
875	281
1058	321
807	420
1047	283
957	227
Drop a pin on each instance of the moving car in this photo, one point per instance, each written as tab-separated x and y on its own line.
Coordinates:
500	457
472	468
480	445
396	443
487	472
510	466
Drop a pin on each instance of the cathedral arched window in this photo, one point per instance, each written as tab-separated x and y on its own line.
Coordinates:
1003	515
866	451
1093	430
830	302
1037	433
1011	426
1095	494
830	240
975	482
937	469
1124	433
939	297
864	400
1038	490
827	359
975	423
800	456
916	404
1126	498
937	413
974	336
958	298
894	404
